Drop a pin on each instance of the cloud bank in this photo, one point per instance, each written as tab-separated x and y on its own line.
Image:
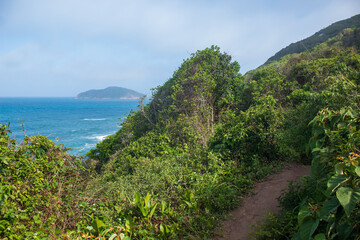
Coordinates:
60	48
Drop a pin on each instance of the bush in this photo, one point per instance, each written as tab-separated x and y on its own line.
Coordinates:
40	185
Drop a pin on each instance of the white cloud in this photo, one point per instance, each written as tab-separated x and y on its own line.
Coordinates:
170	24
139	43
23	58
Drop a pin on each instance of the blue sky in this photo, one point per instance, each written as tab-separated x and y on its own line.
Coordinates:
59	48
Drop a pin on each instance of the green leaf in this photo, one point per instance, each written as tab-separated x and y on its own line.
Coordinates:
118	209
316	149
164	229
152	211
189	204
344	230
320	236
296	236
129	224
348	198
357	170
341	125
315	166
147	200
329	207
3	225
303	213
163	206
4	160
191	196
143	210
97	225
137	198
339	168
335	181
308	227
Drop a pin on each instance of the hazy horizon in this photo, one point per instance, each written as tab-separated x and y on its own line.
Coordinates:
62	48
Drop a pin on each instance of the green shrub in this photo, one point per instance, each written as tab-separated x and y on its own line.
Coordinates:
39	188
253	132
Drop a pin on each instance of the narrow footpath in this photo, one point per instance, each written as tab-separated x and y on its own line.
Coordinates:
254	208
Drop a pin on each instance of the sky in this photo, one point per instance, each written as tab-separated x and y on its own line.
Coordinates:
59	48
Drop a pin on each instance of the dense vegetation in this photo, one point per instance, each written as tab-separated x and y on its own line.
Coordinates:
326	204
179	163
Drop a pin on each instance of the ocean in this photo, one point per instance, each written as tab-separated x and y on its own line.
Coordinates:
77	123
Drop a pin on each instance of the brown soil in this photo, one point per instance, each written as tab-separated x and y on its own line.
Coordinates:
254	208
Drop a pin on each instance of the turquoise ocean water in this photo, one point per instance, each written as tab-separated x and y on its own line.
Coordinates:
77	123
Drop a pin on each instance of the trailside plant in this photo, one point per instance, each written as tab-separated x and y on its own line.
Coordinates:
41	190
321	86
336	214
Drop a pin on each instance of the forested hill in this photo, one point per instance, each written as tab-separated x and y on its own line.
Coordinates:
110	93
319	37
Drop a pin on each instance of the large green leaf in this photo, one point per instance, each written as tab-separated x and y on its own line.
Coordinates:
296	236
147	200
335	181
348	198
137	198
308	227
357	170
143	210
344	231
303	213
329	207
320	236
152	211
97	225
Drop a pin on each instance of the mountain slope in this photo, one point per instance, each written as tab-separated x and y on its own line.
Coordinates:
319	37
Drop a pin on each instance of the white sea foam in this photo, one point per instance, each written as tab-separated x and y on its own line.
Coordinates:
86	147
98	138
94	119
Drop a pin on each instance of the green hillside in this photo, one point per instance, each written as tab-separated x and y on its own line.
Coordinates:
322	122
319	37
179	164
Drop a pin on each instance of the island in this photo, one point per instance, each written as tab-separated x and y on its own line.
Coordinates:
110	93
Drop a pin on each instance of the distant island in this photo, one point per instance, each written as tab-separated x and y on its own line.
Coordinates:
110	93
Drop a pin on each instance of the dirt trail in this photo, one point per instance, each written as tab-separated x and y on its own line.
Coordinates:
253	208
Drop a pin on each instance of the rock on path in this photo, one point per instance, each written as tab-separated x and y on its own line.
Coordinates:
254	208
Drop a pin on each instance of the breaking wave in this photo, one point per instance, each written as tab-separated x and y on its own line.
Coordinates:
94	119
